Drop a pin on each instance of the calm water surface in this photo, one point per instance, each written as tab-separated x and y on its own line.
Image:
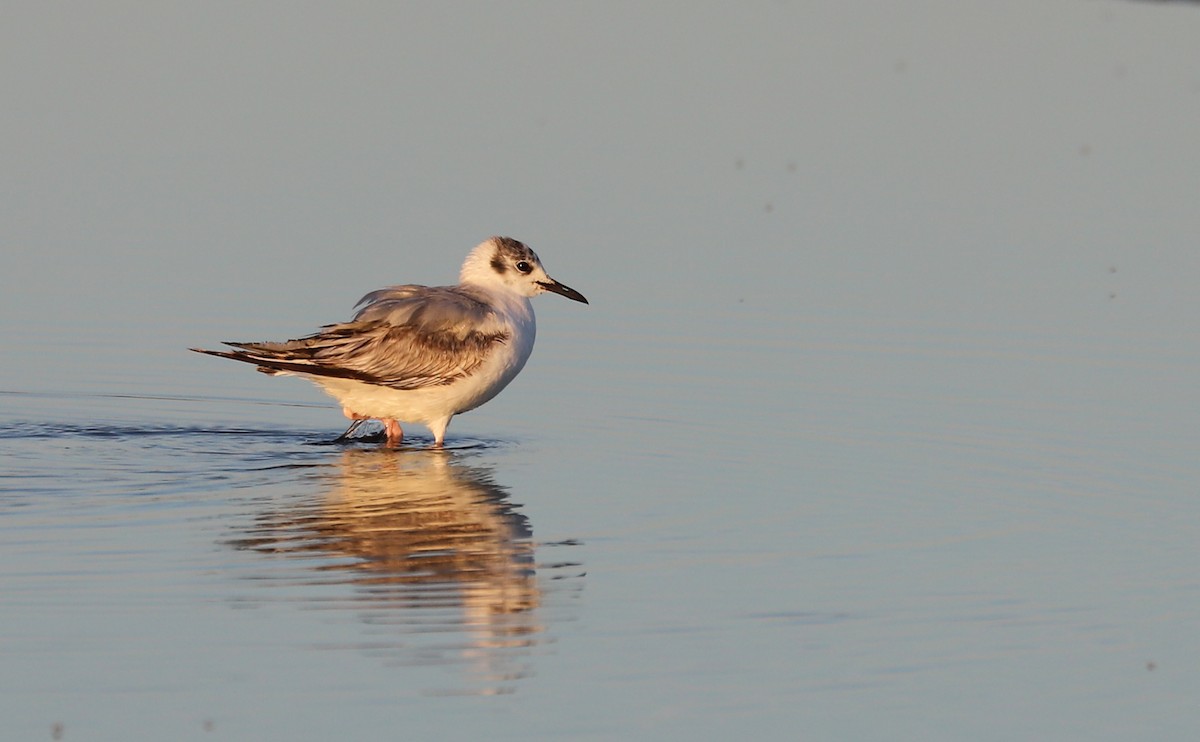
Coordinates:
1001	523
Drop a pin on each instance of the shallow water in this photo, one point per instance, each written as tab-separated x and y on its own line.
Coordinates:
174	562
899	524
882	423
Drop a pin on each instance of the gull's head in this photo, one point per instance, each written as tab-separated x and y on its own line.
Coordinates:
505	264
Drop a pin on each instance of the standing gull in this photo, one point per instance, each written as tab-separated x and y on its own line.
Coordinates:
422	354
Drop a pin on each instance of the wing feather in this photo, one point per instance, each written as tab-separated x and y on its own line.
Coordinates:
403	337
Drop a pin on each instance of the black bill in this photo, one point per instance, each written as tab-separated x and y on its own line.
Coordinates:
559	288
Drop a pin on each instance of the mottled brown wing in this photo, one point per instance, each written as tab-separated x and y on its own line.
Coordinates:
404	337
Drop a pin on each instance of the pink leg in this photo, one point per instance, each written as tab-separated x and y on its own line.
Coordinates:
394	433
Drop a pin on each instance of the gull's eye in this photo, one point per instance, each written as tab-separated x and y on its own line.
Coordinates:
524	267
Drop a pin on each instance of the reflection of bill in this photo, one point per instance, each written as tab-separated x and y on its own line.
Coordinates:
431	547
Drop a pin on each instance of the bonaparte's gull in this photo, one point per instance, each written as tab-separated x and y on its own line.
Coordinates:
422	354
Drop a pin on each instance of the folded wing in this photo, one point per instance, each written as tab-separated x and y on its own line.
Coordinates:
403	337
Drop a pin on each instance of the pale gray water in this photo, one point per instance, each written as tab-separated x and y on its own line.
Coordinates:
882	423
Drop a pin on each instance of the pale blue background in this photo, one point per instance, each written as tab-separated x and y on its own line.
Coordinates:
882	423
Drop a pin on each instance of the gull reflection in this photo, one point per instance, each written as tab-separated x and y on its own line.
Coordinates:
439	563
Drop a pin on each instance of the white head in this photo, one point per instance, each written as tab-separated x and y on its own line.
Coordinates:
502	262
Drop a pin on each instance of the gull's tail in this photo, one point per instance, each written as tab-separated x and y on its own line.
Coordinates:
280	358
265	365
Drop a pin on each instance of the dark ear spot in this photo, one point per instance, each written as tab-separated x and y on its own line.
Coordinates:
498	264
